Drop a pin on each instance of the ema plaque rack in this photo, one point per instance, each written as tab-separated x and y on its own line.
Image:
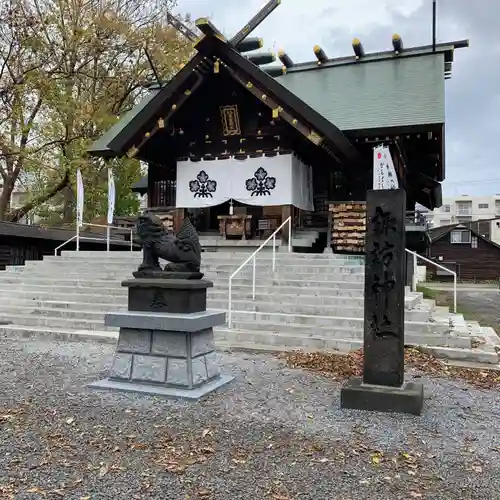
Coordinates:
348	226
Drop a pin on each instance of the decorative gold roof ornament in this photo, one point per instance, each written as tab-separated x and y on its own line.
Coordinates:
230	120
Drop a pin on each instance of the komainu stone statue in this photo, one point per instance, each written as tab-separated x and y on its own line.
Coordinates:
182	252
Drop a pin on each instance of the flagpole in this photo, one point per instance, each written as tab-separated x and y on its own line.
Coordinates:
433	25
79	206
111	206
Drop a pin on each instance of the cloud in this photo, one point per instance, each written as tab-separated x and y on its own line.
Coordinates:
473	93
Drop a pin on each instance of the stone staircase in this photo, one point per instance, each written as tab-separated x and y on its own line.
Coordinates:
311	302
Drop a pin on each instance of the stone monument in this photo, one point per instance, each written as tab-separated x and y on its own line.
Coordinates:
166	341
382	386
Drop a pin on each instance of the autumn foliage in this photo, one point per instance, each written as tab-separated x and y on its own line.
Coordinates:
68	70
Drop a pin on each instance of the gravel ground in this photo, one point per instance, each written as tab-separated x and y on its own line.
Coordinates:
272	434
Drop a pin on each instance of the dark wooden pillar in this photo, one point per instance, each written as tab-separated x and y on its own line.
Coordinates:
286	211
152	177
179	215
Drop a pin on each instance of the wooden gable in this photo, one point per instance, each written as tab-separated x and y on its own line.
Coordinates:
217	58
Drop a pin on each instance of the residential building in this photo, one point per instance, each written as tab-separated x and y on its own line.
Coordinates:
464	208
18	199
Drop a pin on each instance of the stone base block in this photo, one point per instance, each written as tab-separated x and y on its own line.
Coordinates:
356	395
170	371
161	390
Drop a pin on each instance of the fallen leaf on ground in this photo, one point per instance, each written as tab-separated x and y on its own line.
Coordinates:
103	470
36	489
342	366
203	493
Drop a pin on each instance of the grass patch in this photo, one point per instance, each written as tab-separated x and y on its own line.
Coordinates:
442	297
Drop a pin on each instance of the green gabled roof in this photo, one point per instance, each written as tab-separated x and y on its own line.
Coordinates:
446	48
397	93
400	90
352	94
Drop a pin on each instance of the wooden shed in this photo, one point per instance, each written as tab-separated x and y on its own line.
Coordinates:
461	248
22	242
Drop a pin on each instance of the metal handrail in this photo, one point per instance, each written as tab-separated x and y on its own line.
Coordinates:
88	238
63	244
253	256
108	231
414	277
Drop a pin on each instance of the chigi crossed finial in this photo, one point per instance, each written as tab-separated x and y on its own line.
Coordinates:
241	41
207	27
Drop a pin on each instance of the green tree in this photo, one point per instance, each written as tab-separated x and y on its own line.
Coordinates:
68	69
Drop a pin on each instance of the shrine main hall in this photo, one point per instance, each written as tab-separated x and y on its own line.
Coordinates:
241	143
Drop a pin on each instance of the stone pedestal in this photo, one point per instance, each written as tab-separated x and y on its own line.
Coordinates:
359	396
166	341
382	386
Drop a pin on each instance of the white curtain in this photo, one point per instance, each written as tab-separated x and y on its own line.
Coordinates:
302	194
263	181
203	183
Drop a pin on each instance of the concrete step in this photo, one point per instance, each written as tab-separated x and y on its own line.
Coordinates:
307	324
348	280
272	296
298	324
61	334
36	320
96	311
206	256
226	340
337	340
339	289
333	340
100	303
310	310
222	265
217	298
340	274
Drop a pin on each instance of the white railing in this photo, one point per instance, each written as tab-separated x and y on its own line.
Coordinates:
416	256
77	237
254	257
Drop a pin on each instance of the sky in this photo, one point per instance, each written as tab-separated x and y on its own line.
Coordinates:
472	94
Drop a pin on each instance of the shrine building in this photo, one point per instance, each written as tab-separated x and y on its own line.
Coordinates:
233	138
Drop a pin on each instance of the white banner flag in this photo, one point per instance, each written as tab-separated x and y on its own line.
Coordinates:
111	196
79	198
384	173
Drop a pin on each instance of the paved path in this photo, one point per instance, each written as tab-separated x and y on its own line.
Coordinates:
273	434
484	304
